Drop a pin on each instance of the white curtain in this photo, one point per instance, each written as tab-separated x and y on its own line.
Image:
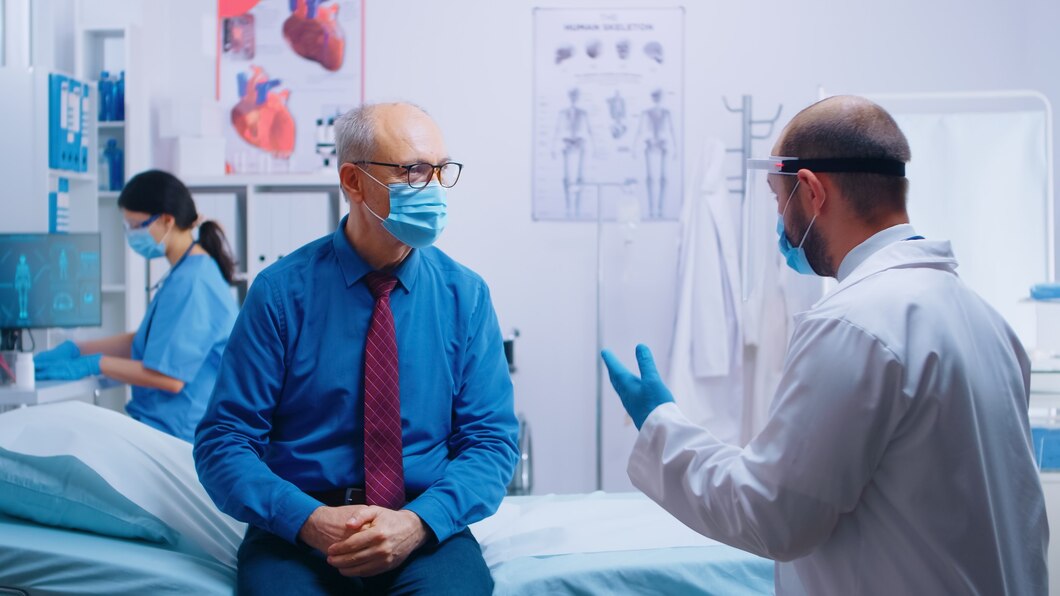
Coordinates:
981	180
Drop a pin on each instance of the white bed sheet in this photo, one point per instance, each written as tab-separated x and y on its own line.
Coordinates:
593	523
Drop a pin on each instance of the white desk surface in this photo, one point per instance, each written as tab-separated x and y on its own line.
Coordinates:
47	392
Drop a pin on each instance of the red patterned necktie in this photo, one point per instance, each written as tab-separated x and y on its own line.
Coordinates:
384	477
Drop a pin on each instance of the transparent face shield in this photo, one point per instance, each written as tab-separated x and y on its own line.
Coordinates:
766	185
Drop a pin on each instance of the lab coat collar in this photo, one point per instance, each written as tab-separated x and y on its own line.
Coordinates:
932	254
871	245
354	267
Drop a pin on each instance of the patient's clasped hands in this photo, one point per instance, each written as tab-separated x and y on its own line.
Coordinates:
364	540
640	396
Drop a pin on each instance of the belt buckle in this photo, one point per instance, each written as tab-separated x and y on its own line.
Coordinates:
348	498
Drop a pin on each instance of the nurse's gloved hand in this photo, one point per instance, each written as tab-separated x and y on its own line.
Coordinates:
69	370
67	350
640	396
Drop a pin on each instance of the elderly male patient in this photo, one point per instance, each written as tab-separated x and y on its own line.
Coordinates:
363	412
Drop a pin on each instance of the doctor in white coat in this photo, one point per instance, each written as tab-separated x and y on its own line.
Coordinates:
897	455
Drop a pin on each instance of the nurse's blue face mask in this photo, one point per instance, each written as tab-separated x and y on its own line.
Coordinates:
417	215
141	240
795	256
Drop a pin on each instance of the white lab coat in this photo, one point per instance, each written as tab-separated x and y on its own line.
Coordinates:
727	354
897	456
706	357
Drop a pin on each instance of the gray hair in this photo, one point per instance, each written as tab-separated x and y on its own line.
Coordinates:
355	135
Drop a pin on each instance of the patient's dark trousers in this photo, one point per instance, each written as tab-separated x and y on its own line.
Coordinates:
270	565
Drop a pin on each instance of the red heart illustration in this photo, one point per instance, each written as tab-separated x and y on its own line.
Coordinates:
261	117
314	33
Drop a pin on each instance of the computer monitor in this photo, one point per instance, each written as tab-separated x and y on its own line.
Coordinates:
49	280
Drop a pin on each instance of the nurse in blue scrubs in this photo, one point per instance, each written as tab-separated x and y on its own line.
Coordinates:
171	361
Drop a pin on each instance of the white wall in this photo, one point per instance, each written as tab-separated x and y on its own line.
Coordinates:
543	274
779	52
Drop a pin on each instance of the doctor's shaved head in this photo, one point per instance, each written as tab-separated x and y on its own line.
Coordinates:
852	126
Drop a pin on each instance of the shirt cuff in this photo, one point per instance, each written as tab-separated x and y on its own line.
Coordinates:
434	515
292	511
646	457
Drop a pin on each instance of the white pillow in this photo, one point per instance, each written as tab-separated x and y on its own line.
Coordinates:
145	467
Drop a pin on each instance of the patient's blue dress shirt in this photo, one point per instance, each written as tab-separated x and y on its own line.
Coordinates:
286	414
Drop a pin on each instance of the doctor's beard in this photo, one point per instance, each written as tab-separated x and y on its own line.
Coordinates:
815	245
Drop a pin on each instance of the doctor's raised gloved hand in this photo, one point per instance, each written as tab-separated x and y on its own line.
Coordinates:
640	396
69	370
67	350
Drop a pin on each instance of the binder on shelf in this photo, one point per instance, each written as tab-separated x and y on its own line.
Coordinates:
86	90
58	205
73	138
56	112
68	136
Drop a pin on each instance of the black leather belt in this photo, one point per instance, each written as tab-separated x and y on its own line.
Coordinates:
353	495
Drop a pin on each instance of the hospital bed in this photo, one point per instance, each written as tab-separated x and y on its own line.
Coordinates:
556	544
524	556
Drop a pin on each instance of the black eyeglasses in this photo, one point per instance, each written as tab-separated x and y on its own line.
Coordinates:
419	175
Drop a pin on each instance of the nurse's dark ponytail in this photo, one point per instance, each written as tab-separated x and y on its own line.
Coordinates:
212	239
155	192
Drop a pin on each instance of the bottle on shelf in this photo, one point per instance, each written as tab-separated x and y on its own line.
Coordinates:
115	164
106	96
119	98
103	175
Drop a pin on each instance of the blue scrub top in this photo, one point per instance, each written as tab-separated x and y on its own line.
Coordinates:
183	336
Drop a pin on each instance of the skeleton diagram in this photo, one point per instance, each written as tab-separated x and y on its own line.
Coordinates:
572	133
656	129
23	281
616	106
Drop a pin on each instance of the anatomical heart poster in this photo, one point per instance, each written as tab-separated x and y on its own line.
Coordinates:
285	70
608	113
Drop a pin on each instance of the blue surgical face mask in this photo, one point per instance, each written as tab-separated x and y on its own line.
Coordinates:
417	216
795	256
143	243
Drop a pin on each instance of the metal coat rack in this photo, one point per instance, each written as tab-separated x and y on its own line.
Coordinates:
747	137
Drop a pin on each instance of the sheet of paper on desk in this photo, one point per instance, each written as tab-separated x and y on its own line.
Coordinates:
564	524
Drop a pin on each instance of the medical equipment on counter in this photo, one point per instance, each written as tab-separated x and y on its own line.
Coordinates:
7	362
24	371
1046	291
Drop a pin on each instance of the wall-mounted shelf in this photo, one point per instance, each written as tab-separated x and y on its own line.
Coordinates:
269	215
286	182
72	176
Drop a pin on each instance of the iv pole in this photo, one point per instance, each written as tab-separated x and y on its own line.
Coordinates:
626	186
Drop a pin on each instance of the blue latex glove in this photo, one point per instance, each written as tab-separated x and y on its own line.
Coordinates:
640	396
69	370
67	350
